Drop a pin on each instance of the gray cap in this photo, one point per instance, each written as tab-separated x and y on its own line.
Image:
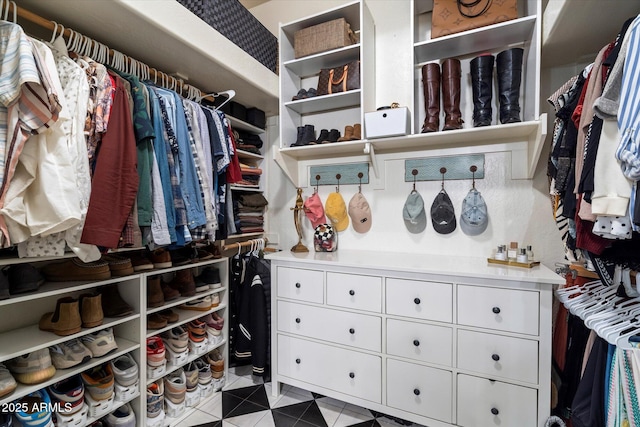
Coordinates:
443	216
415	218
474	217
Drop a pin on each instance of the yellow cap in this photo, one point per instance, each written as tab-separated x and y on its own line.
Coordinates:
336	210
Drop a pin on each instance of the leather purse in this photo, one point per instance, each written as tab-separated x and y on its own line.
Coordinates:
454	16
339	79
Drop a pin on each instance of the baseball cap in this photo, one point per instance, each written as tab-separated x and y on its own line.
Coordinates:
314	211
474	217
360	213
415	218
336	211
443	216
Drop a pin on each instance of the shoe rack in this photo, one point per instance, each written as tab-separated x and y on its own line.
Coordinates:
20	334
523	140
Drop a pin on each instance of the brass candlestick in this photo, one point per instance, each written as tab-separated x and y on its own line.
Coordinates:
299	247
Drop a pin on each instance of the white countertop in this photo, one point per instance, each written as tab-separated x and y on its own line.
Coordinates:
423	263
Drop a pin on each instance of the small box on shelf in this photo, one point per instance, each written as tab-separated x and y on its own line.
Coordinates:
174	410
155	372
192	398
329	35
387	122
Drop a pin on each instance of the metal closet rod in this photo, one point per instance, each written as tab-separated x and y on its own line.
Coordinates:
246	244
153	73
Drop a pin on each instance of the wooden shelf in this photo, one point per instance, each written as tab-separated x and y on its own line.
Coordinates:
335	101
239	124
311	65
182	300
185	316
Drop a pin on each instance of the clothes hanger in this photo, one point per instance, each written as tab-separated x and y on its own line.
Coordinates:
621	308
611	318
622	341
230	94
578	304
612	335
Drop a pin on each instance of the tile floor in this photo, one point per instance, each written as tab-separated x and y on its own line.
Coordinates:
247	402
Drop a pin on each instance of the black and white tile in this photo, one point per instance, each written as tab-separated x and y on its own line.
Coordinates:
247	402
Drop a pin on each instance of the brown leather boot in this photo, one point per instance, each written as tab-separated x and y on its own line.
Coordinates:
65	320
155	296
431	91
91	310
357	132
348	134
184	283
112	303
451	74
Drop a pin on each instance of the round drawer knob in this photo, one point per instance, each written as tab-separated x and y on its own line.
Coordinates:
416	392
298	285
496	310
352	292
495	357
297	320
416	300
352	375
352	331
298	361
416	343
495	411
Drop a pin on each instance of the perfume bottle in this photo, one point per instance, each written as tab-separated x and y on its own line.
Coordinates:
522	256
530	253
501	254
512	253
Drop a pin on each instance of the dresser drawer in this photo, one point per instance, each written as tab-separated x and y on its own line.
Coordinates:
428	343
300	284
498	356
358	330
354	291
502	309
420	299
344	371
484	403
419	389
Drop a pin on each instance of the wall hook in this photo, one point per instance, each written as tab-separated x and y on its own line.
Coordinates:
317	182
443	171
360	183
414	172
338	176
473	170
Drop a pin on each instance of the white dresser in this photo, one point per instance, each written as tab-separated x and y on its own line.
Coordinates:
435	340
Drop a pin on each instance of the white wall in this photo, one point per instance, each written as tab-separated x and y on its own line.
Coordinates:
519	210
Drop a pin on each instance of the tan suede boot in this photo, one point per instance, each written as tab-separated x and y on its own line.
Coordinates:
91	310
348	134
357	132
155	296
65	320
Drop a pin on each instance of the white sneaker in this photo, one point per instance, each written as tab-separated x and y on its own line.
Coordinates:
121	417
7	382
69	353
101	342
125	370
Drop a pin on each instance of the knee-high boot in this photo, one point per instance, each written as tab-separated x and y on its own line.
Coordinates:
431	91
509	67
482	88
451	74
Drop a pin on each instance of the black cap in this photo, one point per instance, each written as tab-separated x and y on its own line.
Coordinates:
443	216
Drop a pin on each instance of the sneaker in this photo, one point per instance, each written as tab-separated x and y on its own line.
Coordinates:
197	330
211	276
118	265
200	285
160	258
70	394
99	381
191	375
32	368
155	399
38	399
214	324
121	417
101	342
125	370
7	382
215	359
176	339
175	386
204	372
215	300
69	353
200	304
155	351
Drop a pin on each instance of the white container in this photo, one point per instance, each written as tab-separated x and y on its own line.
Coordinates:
78	418
155	372
198	348
214	340
174	410
176	359
218	383
386	123
99	408
124	394
206	390
157	421
192	398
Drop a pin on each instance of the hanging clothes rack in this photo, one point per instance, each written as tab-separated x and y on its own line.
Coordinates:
248	244
131	64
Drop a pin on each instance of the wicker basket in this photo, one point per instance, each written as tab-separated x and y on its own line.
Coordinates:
323	37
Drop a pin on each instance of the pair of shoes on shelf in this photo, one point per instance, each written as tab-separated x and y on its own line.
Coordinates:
304	94
158	292
125	370
69	354
72	314
216	361
40	418
32	368
155	351
69	393
208	279
18	279
351	133
214	323
101	342
176	339
99	381
202	304
122	417
328	136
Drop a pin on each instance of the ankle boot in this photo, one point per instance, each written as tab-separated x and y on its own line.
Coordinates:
112	303
65	320
451	74
348	134
482	87
309	135
324	136
91	310
299	137
184	283
155	297
334	135
357	132
509	66
431	91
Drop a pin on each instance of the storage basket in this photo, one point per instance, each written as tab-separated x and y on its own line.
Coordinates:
323	37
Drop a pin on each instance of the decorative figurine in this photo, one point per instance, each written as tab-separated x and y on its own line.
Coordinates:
297	210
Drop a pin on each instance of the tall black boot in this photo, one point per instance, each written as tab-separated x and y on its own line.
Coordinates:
482	87
509	65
